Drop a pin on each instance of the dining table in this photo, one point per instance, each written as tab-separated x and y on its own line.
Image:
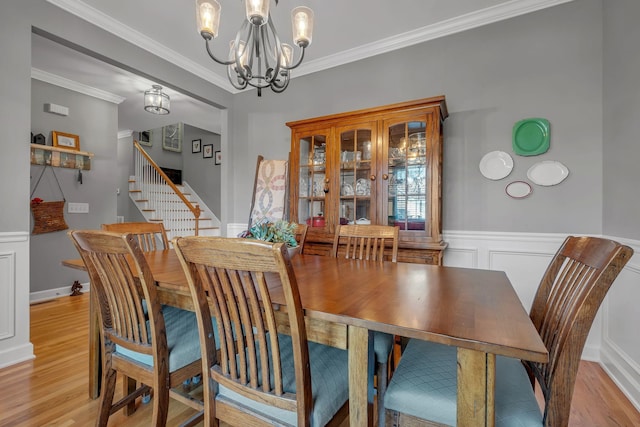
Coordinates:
345	300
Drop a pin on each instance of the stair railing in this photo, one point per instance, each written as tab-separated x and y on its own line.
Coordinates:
163	196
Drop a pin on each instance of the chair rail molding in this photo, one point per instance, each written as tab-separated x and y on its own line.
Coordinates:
14	298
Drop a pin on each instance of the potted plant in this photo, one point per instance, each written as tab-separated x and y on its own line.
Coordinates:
275	232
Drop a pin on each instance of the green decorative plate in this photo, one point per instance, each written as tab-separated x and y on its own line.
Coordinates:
531	137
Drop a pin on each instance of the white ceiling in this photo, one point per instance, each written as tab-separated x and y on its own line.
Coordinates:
345	31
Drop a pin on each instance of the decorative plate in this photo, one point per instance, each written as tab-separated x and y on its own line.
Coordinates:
496	165
531	137
518	189
547	173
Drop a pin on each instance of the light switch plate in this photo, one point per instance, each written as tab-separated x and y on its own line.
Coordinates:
78	208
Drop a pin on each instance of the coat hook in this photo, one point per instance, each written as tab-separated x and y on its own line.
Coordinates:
80	176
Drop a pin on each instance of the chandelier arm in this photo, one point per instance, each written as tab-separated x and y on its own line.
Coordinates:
213	56
299	60
280	88
278	50
236	80
244	71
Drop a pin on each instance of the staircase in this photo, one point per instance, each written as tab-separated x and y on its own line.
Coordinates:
159	200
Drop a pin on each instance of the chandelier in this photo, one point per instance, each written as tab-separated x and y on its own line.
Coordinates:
156	101
256	56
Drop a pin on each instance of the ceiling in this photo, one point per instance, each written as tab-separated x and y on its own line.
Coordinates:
343	33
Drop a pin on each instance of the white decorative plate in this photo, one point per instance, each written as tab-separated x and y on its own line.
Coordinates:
496	165
547	173
518	189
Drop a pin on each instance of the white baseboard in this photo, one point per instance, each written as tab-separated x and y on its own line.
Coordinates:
233	229
16	355
49	294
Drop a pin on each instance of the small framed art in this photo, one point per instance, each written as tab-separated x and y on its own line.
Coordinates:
218	158
144	138
196	145
172	137
207	151
66	140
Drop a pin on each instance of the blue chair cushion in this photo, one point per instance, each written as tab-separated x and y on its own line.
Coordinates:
329	383
382	346
183	340
424	385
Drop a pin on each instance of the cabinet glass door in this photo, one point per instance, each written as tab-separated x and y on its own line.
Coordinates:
313	180
408	163
357	188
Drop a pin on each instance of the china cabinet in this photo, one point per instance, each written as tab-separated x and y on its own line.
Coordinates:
381	165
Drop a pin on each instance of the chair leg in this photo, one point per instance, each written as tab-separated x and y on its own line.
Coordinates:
128	387
382	374
109	377
160	404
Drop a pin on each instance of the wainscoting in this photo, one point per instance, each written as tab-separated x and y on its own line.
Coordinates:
14	299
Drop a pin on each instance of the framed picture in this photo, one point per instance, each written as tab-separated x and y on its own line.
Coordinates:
196	146
172	137
207	151
218	158
66	140
144	138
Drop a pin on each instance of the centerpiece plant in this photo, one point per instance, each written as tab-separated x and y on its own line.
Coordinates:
275	232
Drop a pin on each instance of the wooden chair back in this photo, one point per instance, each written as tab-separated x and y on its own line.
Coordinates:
301	235
566	302
151	236
106	256
366	242
228	280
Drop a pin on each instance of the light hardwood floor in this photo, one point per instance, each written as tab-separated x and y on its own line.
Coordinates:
52	389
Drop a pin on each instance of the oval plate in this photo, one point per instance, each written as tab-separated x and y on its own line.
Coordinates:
518	189
547	173
531	137
496	165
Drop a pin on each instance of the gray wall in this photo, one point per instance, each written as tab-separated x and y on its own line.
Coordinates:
621	144
15	113
545	64
203	175
96	123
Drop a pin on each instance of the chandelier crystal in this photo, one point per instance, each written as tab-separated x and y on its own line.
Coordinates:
156	101
257	58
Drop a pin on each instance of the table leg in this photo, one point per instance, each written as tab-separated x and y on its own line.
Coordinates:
94	349
476	388
360	377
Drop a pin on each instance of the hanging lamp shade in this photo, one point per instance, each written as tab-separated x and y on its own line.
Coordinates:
156	101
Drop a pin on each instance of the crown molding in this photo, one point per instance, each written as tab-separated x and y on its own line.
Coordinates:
444	28
125	133
440	29
75	86
117	28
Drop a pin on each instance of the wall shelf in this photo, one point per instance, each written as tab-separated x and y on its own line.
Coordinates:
60	157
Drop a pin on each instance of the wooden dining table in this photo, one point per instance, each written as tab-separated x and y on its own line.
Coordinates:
477	311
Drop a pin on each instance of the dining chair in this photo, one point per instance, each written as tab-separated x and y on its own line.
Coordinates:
156	345
301	235
151	236
259	377
368	242
576	281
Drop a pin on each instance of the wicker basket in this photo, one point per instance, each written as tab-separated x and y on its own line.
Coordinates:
48	217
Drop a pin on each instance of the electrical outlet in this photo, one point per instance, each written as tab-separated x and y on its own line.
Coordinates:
78	208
